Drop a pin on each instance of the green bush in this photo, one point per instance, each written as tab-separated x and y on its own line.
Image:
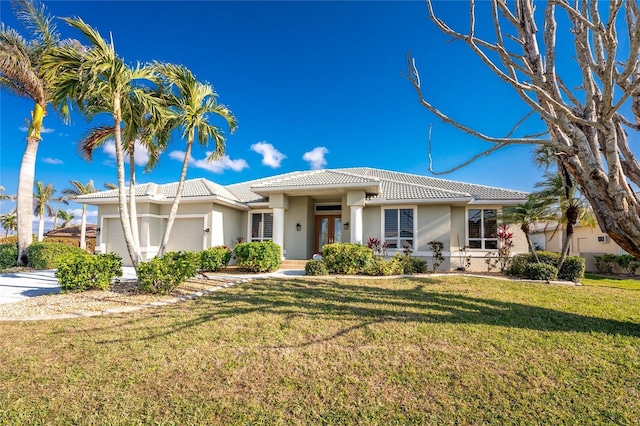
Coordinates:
605	263
540	271
258	256
346	258
402	264
160	276
378	268
628	263
315	267
8	255
518	264
213	259
91	242
47	255
572	269
82	271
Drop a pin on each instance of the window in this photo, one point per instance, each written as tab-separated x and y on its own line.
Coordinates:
398	228
261	226
483	228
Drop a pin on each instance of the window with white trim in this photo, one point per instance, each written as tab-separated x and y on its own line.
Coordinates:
261	226
483	228
398	228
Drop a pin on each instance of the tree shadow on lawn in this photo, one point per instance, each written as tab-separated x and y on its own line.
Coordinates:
369	304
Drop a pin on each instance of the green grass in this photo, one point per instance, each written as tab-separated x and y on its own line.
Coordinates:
308	351
600	281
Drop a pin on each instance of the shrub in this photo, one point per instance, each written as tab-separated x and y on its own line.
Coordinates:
402	264
213	259
540	271
47	255
258	256
156	276
605	263
8	255
378	268
628	263
184	264
518	264
82	271
315	267
346	258
91	242
438	258
548	257
572	269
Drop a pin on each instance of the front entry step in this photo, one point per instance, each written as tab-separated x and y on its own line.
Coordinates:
293	264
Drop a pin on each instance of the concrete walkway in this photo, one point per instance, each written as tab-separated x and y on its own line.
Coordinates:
17	286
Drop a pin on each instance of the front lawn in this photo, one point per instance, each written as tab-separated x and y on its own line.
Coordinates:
323	351
602	281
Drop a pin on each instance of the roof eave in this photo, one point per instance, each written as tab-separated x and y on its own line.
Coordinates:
368	187
504	202
384	201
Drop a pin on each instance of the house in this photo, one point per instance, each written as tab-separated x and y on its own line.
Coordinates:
73	233
586	242
302	211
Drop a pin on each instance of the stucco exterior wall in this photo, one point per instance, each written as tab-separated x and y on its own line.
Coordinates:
371	223
295	242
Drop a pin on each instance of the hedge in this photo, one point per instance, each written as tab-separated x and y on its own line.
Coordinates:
47	255
161	275
315	267
346	258
572	268
262	256
8	255
83	271
540	271
213	259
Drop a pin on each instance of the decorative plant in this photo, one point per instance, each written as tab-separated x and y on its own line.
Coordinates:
505	244
374	244
437	247
491	261
464	257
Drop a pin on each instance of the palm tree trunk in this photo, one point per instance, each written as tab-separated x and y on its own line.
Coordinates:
24	206
176	200
532	249
122	197
83	228
133	211
41	226
55	219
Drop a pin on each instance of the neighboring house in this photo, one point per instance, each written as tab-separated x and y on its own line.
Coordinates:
73	233
586	242
302	211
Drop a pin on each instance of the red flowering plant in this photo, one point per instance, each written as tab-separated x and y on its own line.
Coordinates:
374	244
505	244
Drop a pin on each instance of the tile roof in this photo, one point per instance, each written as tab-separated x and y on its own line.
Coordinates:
73	231
393	186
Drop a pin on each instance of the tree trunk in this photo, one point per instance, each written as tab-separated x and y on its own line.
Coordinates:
133	211
24	206
122	197
41	226
176	200
83	228
532	249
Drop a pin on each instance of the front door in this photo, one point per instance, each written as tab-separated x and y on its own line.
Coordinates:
328	231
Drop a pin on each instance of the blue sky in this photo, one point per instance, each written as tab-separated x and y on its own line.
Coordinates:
312	84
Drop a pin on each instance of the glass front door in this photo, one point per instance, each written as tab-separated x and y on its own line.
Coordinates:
328	231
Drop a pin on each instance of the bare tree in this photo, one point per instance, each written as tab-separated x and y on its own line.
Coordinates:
586	128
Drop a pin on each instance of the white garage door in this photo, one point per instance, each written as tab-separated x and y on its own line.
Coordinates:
186	234
114	239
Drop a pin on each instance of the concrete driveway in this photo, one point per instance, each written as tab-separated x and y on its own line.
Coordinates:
17	286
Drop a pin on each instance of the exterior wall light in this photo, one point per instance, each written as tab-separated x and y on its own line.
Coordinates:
206	231
298	226
346	226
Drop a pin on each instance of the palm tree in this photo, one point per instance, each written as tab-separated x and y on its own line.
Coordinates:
66	218
5	196
98	81
525	214
9	222
567	204
192	103
78	188
140	128
41	198
21	74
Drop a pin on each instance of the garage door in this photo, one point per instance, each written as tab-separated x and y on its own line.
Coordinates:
114	239
186	234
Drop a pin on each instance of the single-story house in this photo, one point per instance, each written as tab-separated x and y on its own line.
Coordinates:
586	242
302	211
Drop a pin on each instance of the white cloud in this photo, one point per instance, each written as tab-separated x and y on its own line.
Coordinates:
140	157
270	156
315	157
50	160
42	129
219	166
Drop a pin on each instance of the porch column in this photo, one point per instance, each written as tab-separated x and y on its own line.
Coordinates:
355	228
278	228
